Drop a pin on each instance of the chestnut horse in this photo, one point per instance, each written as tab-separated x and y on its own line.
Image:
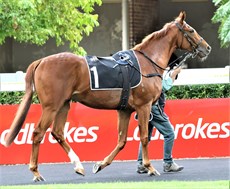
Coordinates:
62	77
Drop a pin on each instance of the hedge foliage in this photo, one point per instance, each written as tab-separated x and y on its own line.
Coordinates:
199	91
177	92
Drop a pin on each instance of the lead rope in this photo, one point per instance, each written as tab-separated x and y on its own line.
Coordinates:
188	55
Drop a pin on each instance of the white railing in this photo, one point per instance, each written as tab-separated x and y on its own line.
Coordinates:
15	81
203	76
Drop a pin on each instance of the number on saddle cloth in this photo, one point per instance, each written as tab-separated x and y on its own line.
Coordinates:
105	72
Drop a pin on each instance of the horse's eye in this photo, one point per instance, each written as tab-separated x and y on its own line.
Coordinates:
191	31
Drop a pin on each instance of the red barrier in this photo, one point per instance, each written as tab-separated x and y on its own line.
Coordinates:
201	126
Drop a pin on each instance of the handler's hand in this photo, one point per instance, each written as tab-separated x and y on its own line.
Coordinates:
176	71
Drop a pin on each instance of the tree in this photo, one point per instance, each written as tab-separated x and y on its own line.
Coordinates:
35	21
222	15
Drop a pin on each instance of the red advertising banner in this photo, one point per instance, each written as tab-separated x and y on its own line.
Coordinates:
202	129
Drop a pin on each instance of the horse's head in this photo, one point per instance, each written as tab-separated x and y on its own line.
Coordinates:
190	39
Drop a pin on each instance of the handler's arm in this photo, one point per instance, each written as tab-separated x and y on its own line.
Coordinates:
168	82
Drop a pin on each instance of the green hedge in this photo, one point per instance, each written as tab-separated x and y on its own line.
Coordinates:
14	97
177	92
199	91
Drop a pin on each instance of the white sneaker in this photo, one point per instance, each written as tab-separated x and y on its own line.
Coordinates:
172	167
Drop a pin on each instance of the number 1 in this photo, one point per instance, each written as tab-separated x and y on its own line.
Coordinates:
94	69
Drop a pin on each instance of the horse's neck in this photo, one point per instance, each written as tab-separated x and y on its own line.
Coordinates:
160	50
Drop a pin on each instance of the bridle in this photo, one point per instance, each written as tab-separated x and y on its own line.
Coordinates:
195	46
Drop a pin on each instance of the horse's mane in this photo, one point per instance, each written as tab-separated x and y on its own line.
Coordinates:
155	35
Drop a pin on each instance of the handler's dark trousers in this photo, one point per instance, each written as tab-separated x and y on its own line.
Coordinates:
161	122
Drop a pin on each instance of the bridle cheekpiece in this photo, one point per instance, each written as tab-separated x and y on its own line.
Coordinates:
192	43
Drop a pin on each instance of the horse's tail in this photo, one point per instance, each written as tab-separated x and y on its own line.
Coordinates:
24	106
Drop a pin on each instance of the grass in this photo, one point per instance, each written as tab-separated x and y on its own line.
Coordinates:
131	185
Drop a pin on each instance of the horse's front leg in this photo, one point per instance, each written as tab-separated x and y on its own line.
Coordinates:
143	119
123	122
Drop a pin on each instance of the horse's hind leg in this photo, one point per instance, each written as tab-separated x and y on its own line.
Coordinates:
58	134
123	122
38	134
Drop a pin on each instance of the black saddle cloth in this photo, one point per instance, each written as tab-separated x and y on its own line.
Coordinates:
105	72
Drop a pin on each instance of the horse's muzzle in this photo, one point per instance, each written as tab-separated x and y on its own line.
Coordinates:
203	52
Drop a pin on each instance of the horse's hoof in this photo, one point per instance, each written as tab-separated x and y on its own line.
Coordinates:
38	178
80	171
154	173
97	167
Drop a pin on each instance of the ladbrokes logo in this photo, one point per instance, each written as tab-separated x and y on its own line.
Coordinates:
190	130
72	134
200	130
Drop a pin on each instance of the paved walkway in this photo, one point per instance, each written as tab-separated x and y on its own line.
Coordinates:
195	170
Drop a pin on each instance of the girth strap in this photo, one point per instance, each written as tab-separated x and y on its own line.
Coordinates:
126	88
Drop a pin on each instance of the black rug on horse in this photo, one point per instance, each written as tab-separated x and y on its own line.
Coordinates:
106	74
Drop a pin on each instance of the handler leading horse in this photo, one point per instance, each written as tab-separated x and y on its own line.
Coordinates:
59	78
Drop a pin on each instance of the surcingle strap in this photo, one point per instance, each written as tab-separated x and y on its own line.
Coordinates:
126	88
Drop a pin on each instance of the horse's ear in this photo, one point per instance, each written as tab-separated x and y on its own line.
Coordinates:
182	17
